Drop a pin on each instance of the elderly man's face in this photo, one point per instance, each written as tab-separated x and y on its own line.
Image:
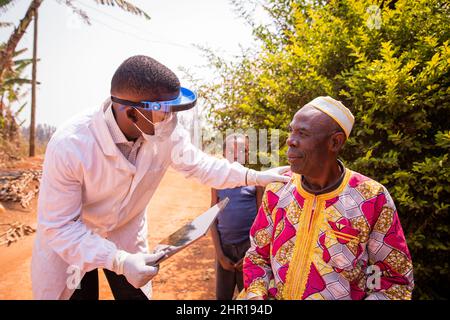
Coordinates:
309	141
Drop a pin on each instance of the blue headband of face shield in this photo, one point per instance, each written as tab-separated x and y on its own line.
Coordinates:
185	101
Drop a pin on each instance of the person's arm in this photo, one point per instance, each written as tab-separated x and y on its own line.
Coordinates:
214	172
257	268
224	261
390	269
258	197
214	197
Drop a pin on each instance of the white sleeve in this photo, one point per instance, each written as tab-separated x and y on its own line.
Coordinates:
192	162
59	214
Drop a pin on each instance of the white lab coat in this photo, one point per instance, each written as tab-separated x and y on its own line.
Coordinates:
92	200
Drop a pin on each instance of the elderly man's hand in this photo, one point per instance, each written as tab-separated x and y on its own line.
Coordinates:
263	178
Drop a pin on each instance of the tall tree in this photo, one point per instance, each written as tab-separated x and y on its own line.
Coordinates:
13	90
7	52
33	86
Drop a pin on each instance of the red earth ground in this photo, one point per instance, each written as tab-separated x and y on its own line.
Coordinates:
187	275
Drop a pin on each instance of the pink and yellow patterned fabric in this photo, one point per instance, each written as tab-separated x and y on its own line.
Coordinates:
346	244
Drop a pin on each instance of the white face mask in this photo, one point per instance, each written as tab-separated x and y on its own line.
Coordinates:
162	129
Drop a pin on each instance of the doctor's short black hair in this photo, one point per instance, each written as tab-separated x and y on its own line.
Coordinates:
141	74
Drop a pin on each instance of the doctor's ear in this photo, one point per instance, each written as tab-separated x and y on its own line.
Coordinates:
131	114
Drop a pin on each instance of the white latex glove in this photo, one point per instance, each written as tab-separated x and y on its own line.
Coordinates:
138	268
263	178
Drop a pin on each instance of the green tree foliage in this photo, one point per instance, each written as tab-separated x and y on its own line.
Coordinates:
389	64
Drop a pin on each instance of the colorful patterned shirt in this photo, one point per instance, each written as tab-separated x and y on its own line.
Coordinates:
345	244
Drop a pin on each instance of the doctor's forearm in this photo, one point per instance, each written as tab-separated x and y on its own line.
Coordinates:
213	172
77	245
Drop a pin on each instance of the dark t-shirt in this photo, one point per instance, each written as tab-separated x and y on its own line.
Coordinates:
234	222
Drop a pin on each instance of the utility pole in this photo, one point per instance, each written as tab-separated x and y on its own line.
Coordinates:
33	87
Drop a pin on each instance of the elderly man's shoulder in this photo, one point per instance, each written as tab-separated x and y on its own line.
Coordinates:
367	186
276	187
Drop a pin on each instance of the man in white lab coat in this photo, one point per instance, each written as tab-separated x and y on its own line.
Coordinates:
100	171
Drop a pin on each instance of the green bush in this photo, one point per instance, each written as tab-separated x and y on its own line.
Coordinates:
391	68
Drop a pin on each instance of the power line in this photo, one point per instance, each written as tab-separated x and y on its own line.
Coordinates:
133	26
176	44
107	14
141	38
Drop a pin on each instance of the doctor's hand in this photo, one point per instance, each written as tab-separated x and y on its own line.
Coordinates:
263	178
138	268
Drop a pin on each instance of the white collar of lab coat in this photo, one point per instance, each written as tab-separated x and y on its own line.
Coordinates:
101	131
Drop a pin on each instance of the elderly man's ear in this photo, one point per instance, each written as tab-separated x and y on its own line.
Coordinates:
337	141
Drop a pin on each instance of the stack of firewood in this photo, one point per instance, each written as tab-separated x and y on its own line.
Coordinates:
19	186
15	232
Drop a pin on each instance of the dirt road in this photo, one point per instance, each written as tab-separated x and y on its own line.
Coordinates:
188	275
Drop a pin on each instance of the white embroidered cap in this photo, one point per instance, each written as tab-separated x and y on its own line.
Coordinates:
336	110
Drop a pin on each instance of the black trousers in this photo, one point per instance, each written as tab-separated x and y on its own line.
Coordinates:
120	287
227	281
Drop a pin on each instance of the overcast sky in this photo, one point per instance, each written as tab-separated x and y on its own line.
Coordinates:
78	61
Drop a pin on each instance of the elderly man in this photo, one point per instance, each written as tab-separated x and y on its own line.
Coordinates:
329	233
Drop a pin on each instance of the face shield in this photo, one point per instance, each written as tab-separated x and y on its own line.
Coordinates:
161	111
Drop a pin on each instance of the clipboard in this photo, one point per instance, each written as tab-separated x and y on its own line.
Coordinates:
190	232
